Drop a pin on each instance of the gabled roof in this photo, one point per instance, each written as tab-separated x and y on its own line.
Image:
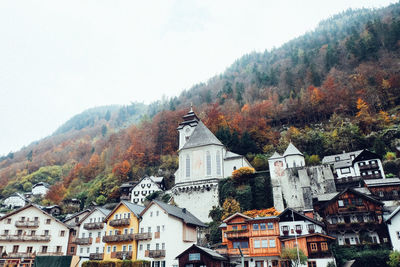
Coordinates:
135	209
231	155
276	155
288	211
366	154
68	218
41	183
152	179
381	182
212	253
393	214
201	136
305	236
102	210
354	192
342	156
180	213
292	150
16	194
237	214
36	207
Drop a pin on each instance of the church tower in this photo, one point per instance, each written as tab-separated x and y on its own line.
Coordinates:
186	128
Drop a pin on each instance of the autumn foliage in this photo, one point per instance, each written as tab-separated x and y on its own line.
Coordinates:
262	213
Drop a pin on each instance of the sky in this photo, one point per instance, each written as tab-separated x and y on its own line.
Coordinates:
58	58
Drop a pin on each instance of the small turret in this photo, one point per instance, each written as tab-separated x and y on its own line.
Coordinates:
186	128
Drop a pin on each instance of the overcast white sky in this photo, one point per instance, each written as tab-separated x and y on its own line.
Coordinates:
58	58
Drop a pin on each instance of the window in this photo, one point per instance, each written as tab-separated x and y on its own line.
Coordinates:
398	235
87	250
98	234
48	221
125	231
108	249
110	233
142	230
46	232
257	244
255	226
242	244
262	226
115	232
244	227
83	235
131	231
187	166
6	232
44	249
163	246
141	247
337	158
29	250
22	218
340	203
311	227
358	201
285	228
264	243
313	247
157	213
124	248
158	228
270	226
272	243
15	249
129	247
157	246
72	250
324	246
312	264
36	219
151	214
149	229
148	246
97	249
19	232
62	233
114	248
194	256
208	162
234	227
345	170
58	249
8	221
334	220
218	161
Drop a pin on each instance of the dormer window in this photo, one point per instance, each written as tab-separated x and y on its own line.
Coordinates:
337	158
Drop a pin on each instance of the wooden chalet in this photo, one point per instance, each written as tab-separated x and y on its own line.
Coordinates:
197	256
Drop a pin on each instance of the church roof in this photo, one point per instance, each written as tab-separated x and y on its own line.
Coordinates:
201	136
231	155
276	155
292	150
189	119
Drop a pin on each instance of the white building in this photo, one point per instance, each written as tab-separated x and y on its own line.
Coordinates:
174	229
203	161
293	184
145	187
293	223
91	230
40	189
16	200
30	231
393	224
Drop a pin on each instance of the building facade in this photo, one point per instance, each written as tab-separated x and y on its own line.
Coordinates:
171	230
203	161
197	256
145	187
393	225
122	226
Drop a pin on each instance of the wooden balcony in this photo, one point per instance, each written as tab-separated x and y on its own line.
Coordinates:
234	234
27	224
96	256
20	255
118	238
122	255
119	222
350	209
369	166
372	176
142	236
158	253
92	226
22	238
235	251
352	227
49	254
83	241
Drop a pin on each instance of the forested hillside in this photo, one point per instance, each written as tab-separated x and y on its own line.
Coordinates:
335	88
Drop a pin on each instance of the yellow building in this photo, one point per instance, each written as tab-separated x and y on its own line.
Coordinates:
122	232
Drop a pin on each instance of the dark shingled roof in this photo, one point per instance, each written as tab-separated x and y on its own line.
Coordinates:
136	209
210	252
183	214
201	136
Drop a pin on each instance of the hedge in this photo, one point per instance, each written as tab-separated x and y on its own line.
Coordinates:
124	263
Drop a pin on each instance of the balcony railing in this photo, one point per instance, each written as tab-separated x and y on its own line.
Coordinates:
350	179
158	253
372	176
20	255
92	226
122	255
352	209
37	238
369	166
119	222
243	233
235	251
118	238
49	254
142	236
353	226
83	241
33	224
96	256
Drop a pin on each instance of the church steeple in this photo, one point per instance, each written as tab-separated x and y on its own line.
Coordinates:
186	127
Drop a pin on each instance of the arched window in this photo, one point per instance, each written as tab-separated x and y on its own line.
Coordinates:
187	166
218	159
208	162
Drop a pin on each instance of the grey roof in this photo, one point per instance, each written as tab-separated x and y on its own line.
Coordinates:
343	156
292	150
16	194
157	179
222	225
201	136
363	190
212	253
136	209
342	164
103	210
230	155
380	182
41	183
276	155
393	214
180	213
326	197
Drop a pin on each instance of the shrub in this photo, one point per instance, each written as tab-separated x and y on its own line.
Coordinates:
124	263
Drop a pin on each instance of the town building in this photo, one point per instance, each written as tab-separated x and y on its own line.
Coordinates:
293	223
352	167
315	246
257	237
53	210
29	232
386	190
196	256
40	189
16	200
175	229
145	187
203	161
125	190
352	217
90	245
393	225
122	227
73	222
294	185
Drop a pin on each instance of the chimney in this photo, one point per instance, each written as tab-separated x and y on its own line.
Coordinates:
309	213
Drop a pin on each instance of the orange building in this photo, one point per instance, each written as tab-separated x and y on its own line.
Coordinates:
257	237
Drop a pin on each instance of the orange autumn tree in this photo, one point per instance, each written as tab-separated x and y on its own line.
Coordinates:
242	174
262	213
56	193
121	170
